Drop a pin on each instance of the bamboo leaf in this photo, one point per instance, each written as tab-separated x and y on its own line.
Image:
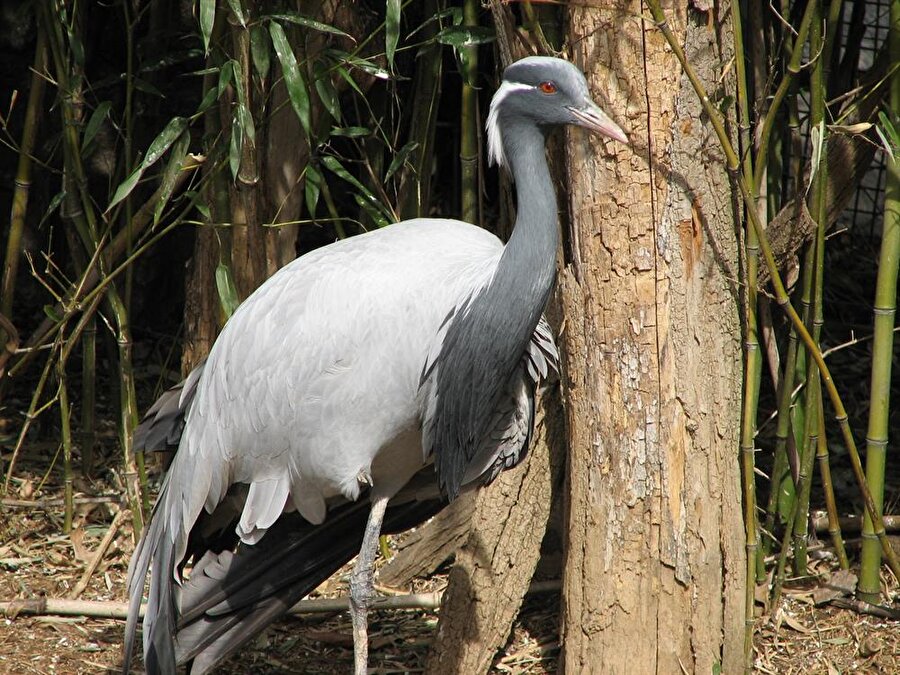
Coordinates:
259	50
146	87
199	205
391	30
313	188
234	148
164	140
348	78
368	207
851	129
170	174
293	78
888	134
329	97
363	64
54	204
350	132
228	296
817	139
226	74
238	11
465	36
306	22
94	123
364	196
207	18
125	187
400	158
209	98
52	314
455	14
885	143
157	148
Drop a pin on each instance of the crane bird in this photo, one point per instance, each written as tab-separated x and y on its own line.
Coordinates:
355	392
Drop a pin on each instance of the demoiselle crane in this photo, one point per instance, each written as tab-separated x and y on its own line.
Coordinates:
333	389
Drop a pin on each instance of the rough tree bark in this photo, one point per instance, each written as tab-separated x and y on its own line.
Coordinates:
654	558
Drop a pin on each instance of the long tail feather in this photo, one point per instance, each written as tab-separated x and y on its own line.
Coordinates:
230	598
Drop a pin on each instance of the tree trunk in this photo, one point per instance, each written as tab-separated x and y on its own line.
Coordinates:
653	578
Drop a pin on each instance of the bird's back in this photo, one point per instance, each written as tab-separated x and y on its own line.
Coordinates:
319	369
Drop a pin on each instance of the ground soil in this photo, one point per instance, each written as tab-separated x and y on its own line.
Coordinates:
37	559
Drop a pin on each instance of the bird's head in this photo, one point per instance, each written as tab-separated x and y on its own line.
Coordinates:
547	92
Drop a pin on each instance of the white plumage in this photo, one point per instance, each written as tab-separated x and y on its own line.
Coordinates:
299	401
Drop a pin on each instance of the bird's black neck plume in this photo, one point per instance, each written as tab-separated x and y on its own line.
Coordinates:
485	342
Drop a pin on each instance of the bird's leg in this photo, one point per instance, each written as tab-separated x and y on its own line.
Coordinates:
362	585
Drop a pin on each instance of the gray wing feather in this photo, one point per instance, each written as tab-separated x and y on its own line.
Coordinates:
508	432
506	443
163	423
542	355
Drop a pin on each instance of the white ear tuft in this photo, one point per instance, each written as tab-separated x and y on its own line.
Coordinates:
495	138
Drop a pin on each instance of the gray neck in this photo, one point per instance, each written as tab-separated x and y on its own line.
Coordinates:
527	267
484	346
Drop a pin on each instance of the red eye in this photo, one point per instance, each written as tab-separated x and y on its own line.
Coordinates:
547	87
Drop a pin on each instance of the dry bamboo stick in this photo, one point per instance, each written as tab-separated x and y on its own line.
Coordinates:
98	555
100	609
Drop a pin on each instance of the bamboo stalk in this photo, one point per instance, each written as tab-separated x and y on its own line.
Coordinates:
885	309
98	555
816	266
798	526
66	439
128	415
23	177
88	396
104	609
468	122
733	166
783	436
93	279
752	356
834	523
414	193
853	523
30	416
795	49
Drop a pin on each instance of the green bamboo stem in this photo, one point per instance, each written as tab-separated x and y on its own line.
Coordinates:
468	144
795	49
783	436
834	523
23	177
786	444
869	588
752	359
128	415
816	258
128	163
778	581
66	436
414	194
807	462
111	253
62	349
88	396
781	296
82	215
30	416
